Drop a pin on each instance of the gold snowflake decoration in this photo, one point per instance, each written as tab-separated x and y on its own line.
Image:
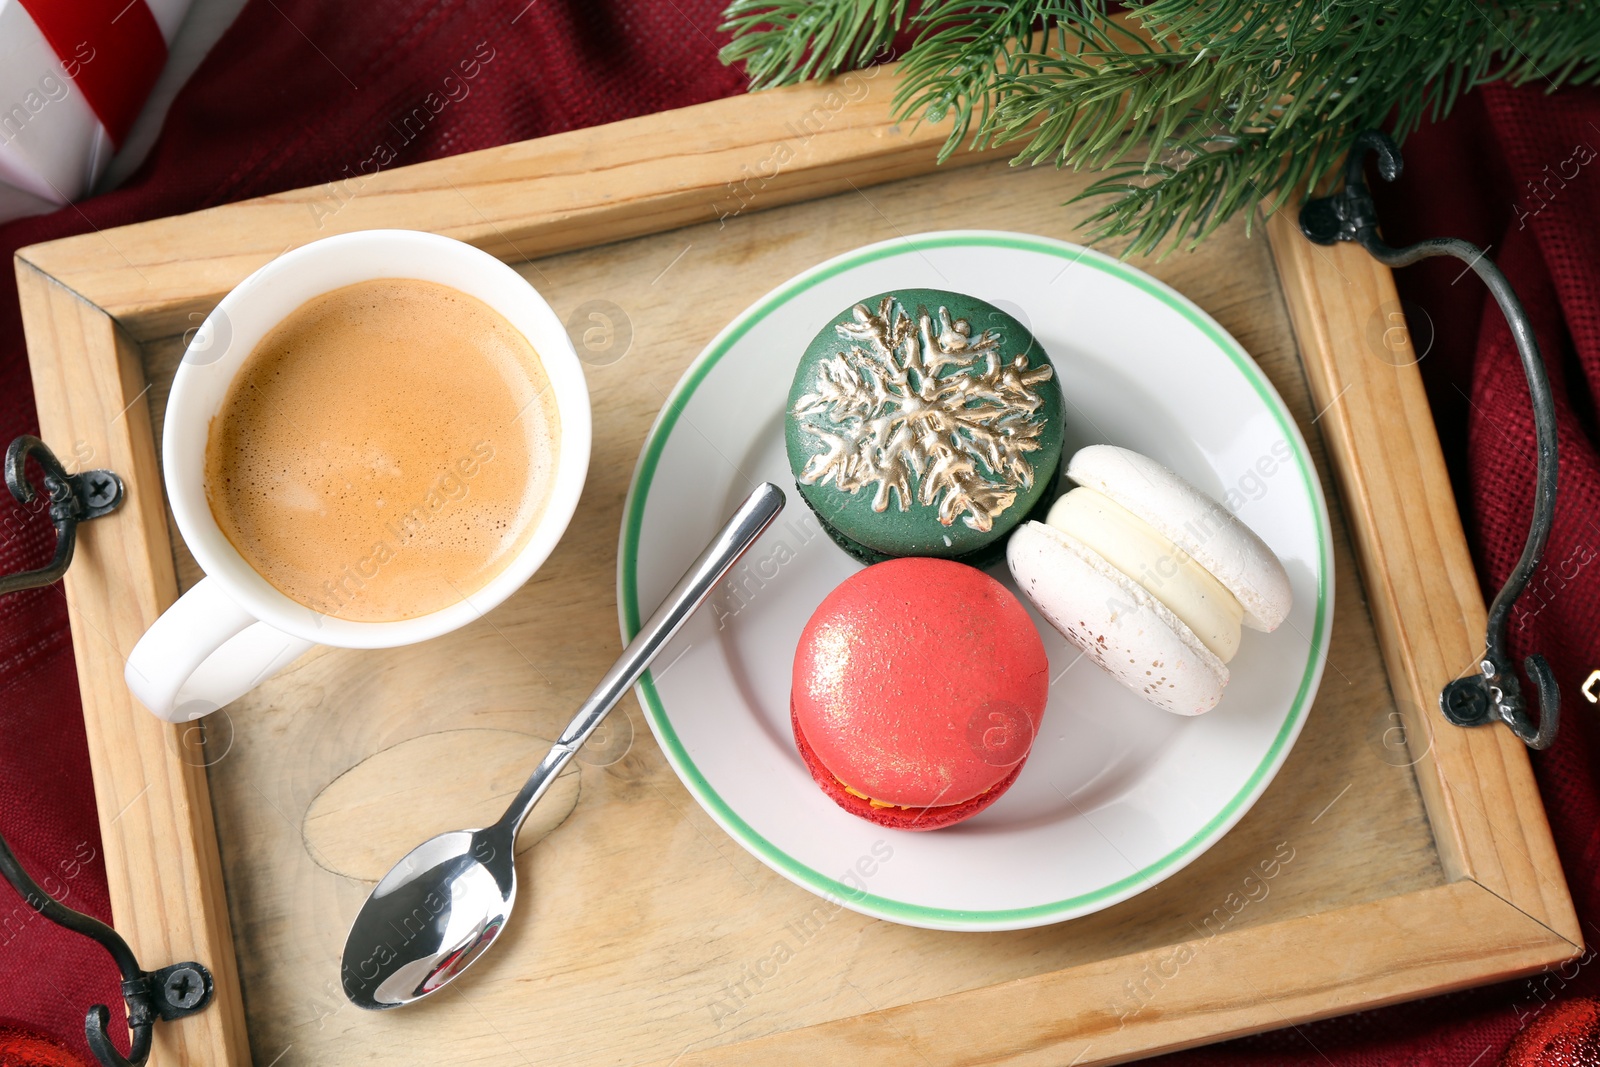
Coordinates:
919	406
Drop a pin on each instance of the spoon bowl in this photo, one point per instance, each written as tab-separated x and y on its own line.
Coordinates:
429	919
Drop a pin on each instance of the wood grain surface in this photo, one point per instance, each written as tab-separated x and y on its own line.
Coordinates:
645	935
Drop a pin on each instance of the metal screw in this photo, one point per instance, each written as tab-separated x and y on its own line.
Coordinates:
184	987
1465	702
99	489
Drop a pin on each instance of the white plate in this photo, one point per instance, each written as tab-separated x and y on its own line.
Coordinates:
1117	794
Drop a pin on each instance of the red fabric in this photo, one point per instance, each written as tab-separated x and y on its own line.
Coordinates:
1568	1035
112	49
21	1049
300	92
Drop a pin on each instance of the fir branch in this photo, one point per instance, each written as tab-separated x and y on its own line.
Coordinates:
965	50
1194	110
782	42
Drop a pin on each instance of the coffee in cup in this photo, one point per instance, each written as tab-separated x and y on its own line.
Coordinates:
384	450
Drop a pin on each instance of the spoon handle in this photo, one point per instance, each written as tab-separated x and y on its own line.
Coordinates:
753	516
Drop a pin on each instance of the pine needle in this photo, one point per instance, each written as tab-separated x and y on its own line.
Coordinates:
1190	110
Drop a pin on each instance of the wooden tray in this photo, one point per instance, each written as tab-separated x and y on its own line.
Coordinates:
1368	873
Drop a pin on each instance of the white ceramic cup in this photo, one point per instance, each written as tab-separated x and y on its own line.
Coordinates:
233	630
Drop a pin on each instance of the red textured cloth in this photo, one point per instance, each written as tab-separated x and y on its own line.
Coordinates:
298	92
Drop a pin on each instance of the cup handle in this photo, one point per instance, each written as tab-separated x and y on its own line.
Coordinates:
203	652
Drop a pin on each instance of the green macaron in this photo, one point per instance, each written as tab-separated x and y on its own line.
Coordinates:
923	423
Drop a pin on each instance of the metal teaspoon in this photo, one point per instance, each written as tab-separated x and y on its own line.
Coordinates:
442	906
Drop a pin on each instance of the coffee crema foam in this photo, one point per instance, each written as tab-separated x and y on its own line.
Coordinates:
384	451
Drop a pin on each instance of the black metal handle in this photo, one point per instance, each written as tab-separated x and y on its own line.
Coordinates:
171	992
1494	693
73	498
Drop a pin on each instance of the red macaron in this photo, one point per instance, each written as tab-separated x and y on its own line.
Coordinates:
919	686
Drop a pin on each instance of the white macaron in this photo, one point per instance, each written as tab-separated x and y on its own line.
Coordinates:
1150	577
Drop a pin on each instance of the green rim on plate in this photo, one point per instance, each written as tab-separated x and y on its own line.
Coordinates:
650	699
